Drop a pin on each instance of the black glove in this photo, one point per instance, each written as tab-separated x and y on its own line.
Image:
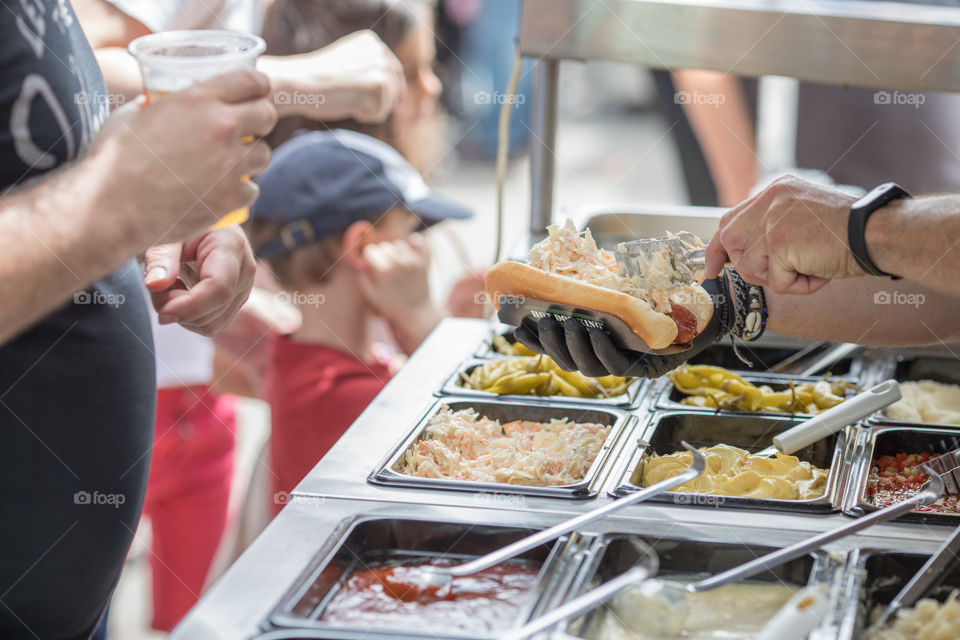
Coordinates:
593	353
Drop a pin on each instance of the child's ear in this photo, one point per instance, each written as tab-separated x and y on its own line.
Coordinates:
357	236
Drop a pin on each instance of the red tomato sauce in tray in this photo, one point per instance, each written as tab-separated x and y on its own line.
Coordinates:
895	478
485	602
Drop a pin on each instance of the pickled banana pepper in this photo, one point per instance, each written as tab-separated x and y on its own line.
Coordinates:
540	376
718	388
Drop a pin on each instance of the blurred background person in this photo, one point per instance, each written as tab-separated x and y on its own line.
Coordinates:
476	65
337	223
415	128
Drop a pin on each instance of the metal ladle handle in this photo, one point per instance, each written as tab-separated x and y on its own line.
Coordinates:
836	418
580	604
928	494
537	539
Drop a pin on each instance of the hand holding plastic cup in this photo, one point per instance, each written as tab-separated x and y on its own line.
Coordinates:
174	60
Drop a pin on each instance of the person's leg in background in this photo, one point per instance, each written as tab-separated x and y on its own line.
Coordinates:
187	495
490	28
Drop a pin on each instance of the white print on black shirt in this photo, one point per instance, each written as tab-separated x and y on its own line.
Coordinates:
62	16
37	27
35	90
36	86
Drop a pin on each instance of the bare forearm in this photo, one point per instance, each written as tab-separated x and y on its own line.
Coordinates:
919	240
717	109
55	239
873	311
301	88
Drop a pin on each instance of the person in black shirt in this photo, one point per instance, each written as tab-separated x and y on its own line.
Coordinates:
76	364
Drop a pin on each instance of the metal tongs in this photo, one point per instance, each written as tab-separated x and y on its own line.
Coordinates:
439	577
665	591
683	252
947	466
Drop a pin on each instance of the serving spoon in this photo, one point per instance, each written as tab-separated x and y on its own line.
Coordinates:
432	580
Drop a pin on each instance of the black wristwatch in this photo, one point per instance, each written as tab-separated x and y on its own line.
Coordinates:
860	212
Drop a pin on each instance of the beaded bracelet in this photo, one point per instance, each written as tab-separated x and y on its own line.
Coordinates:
750	312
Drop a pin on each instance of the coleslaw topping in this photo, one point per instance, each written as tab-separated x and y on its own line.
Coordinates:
567	252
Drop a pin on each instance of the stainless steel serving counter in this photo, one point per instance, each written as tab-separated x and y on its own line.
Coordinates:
337	492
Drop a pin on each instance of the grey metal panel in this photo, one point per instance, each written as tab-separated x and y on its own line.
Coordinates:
871	44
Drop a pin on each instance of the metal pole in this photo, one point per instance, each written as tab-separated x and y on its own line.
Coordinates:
543	120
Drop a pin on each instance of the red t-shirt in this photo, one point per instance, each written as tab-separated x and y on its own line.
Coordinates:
315	393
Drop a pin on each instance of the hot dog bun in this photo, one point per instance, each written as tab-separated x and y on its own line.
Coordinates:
656	329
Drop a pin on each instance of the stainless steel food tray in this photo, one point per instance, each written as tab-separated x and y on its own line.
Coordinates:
888	439
367	541
664	431
505	410
668	398
917	367
612	554
628	400
874	577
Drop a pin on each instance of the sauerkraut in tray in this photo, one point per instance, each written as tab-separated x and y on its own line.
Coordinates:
927	620
464	445
927	401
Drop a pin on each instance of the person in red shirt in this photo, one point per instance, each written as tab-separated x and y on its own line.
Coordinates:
336	222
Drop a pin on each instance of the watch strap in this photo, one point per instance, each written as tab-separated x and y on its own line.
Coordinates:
860	212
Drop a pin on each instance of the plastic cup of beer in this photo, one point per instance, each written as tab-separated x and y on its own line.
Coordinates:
173	60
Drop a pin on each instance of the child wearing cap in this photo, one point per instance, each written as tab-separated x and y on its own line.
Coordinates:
336	221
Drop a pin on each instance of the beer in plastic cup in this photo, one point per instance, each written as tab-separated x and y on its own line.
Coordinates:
174	60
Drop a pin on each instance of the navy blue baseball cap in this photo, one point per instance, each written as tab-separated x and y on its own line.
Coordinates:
321	182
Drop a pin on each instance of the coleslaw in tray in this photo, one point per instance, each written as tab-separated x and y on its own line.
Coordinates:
464	445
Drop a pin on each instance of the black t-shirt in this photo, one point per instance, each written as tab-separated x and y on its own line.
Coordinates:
77	390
